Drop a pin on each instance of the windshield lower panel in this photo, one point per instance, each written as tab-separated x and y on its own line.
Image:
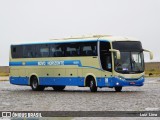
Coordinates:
130	63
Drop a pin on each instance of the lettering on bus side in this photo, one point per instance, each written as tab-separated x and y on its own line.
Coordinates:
50	63
41	63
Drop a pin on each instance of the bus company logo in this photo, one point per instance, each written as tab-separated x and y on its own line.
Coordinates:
50	63
6	114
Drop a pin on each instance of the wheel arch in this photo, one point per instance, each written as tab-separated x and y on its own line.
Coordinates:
87	79
33	75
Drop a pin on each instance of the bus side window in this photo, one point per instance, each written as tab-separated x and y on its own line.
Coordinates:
89	49
29	51
59	50
13	51
56	50
17	51
44	50
52	51
72	49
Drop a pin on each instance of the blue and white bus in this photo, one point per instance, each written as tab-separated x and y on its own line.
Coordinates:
95	62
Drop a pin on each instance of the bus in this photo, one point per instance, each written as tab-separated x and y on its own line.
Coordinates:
95	61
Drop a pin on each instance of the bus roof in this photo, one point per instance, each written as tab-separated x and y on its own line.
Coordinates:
98	37
84	39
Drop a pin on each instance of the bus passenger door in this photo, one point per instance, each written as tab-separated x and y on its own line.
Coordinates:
105	58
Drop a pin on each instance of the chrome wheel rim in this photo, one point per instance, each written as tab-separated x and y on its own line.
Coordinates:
35	84
91	84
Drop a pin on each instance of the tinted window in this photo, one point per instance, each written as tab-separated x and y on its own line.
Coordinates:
128	45
43	50
17	51
72	49
105	56
29	51
89	49
54	50
57	50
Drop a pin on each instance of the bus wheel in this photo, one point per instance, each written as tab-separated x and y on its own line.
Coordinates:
35	86
93	86
118	89
58	88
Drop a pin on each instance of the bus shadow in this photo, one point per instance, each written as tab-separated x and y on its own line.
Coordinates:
88	91
50	90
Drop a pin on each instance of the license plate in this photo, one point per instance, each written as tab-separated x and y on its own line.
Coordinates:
132	83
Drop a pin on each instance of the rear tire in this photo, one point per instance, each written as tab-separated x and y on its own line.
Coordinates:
35	86
92	85
118	89
58	88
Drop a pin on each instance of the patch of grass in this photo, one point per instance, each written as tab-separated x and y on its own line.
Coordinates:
152	73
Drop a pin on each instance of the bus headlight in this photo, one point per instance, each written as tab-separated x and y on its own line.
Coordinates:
117	83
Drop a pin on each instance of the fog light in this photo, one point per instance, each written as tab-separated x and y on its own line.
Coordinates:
117	83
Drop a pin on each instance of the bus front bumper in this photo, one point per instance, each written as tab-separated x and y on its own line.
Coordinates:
116	81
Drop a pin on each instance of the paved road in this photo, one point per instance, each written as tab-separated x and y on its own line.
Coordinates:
22	98
15	97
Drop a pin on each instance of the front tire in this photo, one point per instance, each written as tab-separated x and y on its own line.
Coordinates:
35	85
118	89
93	86
58	88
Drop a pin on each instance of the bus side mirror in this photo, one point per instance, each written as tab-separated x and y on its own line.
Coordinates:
117	53
151	54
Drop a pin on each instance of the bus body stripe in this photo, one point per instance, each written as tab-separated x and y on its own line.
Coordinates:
76	81
51	63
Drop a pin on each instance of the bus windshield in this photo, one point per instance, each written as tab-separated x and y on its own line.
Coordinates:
130	62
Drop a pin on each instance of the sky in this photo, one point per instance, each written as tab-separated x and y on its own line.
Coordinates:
40	20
